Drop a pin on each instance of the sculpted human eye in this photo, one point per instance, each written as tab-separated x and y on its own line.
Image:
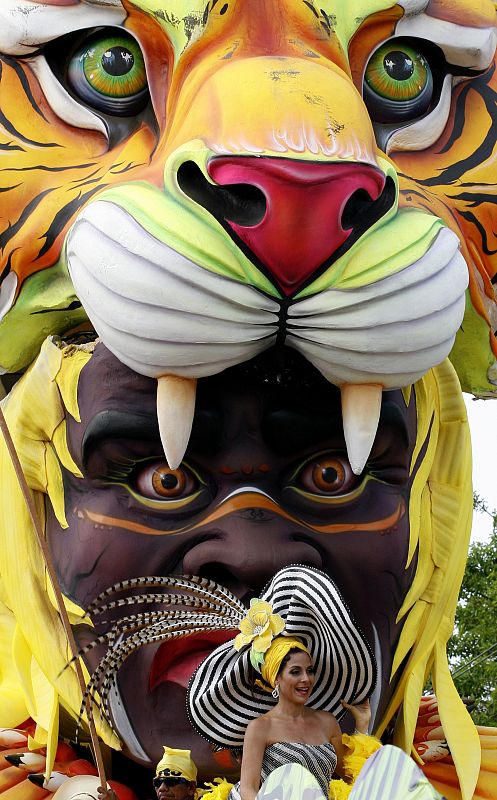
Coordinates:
153	484
326	475
158	480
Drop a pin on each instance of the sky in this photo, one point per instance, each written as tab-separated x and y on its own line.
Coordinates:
482	415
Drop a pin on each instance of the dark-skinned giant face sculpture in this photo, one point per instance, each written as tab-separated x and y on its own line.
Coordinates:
278	218
265	483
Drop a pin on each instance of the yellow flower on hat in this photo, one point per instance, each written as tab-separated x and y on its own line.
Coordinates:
259	628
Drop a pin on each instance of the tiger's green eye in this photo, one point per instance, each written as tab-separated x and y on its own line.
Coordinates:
114	67
397	74
108	72
398	83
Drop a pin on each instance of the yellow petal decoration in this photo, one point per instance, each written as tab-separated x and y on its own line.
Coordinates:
219	789
259	627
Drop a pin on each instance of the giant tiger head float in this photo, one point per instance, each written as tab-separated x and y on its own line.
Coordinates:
280	214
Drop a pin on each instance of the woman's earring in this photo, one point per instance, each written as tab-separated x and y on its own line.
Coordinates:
276	692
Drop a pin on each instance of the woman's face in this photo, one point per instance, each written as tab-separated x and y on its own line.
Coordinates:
296	679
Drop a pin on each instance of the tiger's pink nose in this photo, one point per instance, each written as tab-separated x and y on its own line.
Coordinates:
313	211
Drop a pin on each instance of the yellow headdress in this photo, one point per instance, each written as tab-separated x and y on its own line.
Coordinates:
177	764
275	655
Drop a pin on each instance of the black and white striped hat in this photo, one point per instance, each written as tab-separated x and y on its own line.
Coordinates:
222	699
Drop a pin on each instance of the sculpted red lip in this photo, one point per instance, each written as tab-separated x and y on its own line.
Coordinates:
176	661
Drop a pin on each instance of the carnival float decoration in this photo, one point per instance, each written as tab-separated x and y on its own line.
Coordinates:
247	259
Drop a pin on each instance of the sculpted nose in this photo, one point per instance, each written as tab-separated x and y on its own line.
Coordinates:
298	216
244	558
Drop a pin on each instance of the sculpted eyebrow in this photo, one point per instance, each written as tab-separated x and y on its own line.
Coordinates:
205	437
288	431
117	425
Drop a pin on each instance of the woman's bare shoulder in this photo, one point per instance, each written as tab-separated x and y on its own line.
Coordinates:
329	721
259	726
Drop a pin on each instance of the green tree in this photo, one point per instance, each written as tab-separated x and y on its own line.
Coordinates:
473	647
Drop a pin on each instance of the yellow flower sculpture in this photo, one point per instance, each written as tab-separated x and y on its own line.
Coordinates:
258	629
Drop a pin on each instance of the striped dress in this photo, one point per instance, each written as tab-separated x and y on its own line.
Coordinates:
319	759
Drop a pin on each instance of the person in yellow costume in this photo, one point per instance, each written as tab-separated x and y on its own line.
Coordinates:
175	777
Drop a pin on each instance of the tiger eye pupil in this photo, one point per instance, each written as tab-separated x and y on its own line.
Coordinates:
398	65
169	481
118	61
329	475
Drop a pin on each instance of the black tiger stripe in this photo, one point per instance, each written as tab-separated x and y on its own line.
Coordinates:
483	233
8	265
127	168
13	130
45	168
24	83
484	150
7	124
11	231
310	5
63	216
411	192
77	181
459	119
79	184
8	146
476	198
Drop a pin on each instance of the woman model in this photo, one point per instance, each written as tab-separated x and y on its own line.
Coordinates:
291	732
298	664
